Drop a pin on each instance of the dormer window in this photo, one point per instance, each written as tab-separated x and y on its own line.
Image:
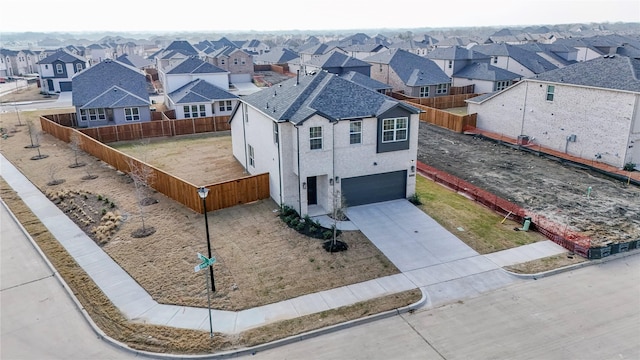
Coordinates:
59	69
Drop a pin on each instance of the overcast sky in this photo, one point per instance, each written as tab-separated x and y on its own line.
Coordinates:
214	15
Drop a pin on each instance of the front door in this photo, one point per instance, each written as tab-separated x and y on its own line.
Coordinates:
312	191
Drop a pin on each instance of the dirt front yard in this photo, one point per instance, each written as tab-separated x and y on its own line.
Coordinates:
609	211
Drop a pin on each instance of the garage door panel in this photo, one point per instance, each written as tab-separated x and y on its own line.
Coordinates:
374	188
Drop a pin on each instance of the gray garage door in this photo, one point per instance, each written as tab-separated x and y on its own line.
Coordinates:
375	188
65	86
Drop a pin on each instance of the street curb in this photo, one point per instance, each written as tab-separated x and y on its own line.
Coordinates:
573	267
223	355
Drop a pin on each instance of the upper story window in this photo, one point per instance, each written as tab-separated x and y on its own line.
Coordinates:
315	137
252	159
132	114
450	64
243	61
442	88
222	61
424	91
495	59
59	69
550	91
394	129
355	132
275	133
78	67
235	61
501	85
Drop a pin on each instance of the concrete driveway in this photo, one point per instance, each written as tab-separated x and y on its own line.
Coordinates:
431	257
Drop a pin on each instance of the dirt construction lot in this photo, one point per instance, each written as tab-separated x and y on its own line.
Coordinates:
559	192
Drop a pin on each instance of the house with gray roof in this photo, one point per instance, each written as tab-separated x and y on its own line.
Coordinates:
455	58
110	93
361	51
277	55
588	109
330	139
515	59
136	61
236	61
255	47
337	63
484	77
192	68
368	82
199	98
57	69
409	73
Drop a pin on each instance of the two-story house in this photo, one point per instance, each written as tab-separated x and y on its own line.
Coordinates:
337	63
57	70
590	110
110	93
191	69
409	73
330	140
236	61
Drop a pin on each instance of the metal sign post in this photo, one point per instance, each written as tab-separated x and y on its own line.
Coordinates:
206	262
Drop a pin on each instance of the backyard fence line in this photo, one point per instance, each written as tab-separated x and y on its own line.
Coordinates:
432	113
561	235
223	194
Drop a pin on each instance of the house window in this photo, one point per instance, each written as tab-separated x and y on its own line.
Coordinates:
275	132
235	61
194	111
59	69
78	67
243	61
226	105
222	61
355	132
252	160
394	129
131	114
450	65
550	90
92	114
495	59
442	88
315	137
501	85
424	91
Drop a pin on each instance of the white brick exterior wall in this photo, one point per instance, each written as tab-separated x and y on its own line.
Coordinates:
604	121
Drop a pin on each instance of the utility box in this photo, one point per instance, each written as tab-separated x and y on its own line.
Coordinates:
523	139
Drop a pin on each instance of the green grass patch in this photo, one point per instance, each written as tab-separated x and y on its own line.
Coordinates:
479	227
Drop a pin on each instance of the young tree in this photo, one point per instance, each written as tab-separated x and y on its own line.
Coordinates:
143	177
33	135
337	214
75	143
53	175
40	155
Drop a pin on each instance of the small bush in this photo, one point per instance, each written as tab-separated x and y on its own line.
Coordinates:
104	212
294	222
415	199
313	229
327	234
300	226
629	166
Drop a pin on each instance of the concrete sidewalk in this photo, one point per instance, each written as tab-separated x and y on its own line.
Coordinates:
430	258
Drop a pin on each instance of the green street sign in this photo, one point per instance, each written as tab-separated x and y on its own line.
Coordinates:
205	262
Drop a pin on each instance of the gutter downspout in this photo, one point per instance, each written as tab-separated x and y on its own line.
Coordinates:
524	107
279	162
333	167
299	175
244	136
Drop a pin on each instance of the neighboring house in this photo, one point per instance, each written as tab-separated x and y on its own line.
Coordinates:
199	98
96	53
362	51
192	69
14	63
277	55
485	78
255	47
318	50
414	47
368	82
32	62
57	69
236	61
337	63
455	58
136	61
557	54
589	110
585	51
330	139
515	59
110	93
456	41
6	69
173	54
409	73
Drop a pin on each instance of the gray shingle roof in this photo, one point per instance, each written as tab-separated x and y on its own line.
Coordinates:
109	84
412	69
484	71
134	60
61	55
610	72
325	94
337	59
193	65
277	55
532	61
455	53
366	81
183	47
199	91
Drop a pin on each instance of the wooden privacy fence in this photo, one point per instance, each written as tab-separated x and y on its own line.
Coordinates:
149	129
223	195
440	102
457	123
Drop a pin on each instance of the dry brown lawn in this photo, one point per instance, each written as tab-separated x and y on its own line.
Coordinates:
260	260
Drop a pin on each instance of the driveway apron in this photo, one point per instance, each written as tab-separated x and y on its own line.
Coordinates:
430	256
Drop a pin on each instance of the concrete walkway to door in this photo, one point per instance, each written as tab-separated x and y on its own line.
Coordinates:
436	261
